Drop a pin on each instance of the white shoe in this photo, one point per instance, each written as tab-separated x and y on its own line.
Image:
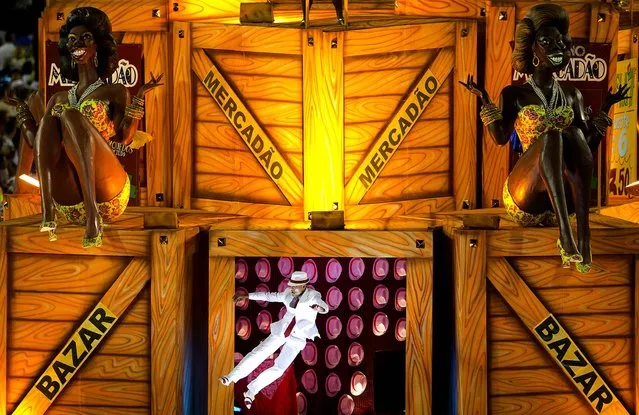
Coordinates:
225	381
248	400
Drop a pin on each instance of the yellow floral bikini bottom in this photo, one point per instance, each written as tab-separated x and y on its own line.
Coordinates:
109	211
547	218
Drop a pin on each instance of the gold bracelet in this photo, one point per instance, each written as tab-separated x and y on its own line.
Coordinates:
138	101
489	114
23	114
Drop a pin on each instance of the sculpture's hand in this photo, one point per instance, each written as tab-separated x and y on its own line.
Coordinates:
474	89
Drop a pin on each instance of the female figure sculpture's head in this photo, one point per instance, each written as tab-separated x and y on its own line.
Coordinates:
542	40
87	32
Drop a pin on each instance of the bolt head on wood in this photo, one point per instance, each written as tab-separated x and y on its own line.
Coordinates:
482	12
494	203
311	41
221	242
156	13
473	243
503	15
334	43
181	34
466	204
464	32
159	197
601	17
419	243
59	16
635	38
176	7
164	240
335	205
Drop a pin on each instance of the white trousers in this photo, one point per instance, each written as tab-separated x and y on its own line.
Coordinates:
292	347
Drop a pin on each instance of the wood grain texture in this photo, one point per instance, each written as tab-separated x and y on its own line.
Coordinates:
544	272
182	115
29	364
594	326
445	8
271	87
221	333
158	153
46	336
96	410
528	354
247	39
419	358
417	60
257	64
396	39
624	40
542	380
168	311
321	243
542	242
365	110
127	286
375	83
499	33
66	307
267	113
425	133
91	392
222	135
4	332
470	322
628	212
237	188
465	117
578	13
257	210
323	121
123	16
65	274
21	205
417	186
28	240
404	207
547	404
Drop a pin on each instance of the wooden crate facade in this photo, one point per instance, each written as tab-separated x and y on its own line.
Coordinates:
507	282
260	239
49	289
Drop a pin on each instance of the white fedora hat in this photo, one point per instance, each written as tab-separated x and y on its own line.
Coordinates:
298	278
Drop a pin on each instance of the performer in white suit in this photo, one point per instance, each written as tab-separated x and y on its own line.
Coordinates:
301	305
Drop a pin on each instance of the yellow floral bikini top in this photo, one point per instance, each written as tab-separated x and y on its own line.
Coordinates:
96	111
532	121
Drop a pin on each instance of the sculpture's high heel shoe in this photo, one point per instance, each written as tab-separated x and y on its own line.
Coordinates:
566	258
49	226
584	268
96	241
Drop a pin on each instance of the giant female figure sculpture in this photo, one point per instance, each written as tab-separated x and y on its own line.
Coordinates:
557	135
80	177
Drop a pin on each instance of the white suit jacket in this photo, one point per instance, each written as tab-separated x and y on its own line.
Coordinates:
305	327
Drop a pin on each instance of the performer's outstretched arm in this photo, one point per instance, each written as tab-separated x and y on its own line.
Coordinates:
270	297
319	304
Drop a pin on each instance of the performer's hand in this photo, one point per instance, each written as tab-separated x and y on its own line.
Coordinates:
474	89
317	307
239	297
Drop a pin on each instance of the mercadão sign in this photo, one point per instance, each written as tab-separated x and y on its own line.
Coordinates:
253	135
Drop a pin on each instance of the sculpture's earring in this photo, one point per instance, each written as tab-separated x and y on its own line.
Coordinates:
535	61
95	59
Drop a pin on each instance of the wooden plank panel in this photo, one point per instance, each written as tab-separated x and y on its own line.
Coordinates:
397	39
27	239
417	186
257	64
268	87
158	151
247	39
48	336
425	133
509	382
511	329
4	331
182	130
237	162
168	321
444	8
325	243
256	210
543	242
576	301
374	84
547	404
419	359
66	307
122	20
96	410
221	333
528	354
499	33
416	160
70	274
237	188
465	117
636	331
403	207
544	272
223	135
365	110
93	392
418	59
29	364
624	40
470	322
267	113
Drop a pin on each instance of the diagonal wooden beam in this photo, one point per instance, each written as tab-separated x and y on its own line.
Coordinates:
415	102
246	125
93	330
554	338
